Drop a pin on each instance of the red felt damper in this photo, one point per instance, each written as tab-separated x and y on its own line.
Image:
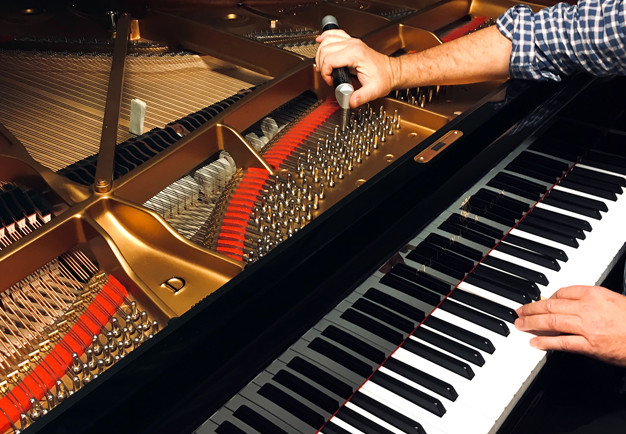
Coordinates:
239	211
58	361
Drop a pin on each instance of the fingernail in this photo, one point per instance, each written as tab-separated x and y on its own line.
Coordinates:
519	323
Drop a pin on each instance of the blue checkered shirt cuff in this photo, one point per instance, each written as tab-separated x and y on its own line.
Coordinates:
563	39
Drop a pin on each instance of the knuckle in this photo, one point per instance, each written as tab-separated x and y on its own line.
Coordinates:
553	322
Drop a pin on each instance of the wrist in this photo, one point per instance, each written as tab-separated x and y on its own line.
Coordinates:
395	72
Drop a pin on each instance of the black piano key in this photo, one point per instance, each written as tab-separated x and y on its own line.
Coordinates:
495	309
516	185
549	251
340	356
530	172
496	288
478	238
228	428
548	234
393	280
505	202
332	428
481	227
450	258
562	219
549	163
459	350
355	344
291	405
503	186
579	185
606	161
584	202
256	421
360	422
394	304
496	204
527	161
422	279
510	280
384	315
371	338
417	397
422	378
470	338
320	376
542	222
490	323
389	415
515	269
455	246
372	326
573	207
527	255
479	209
429	261
450	363
307	391
438	260
612	182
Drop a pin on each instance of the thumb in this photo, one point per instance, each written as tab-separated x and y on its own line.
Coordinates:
362	95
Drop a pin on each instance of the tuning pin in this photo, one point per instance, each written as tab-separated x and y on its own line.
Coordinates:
115	328
96	346
130	325
134	312
111	342
86	374
106	357
62	391
75	384
145	322
91	360
77	365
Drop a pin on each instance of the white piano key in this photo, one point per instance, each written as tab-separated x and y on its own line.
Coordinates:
340	423
597	169
373	418
569	251
455	420
583	194
488	295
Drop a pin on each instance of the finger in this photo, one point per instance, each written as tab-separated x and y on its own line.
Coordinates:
561	323
332	33
574	292
363	95
571	343
550	305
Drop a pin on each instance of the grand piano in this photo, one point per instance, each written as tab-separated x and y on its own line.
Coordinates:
191	243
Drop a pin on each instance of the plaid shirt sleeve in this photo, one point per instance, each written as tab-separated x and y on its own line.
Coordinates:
563	39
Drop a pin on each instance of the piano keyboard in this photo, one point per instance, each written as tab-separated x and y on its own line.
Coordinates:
427	343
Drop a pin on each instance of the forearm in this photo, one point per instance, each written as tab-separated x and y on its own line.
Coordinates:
480	56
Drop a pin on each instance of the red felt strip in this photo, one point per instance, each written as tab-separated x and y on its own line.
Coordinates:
240	207
57	362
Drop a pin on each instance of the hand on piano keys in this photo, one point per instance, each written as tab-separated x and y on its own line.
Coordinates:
588	320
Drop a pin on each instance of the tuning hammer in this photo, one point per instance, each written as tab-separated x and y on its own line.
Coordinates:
341	77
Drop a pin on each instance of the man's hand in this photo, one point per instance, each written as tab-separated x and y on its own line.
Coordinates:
374	70
589	320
